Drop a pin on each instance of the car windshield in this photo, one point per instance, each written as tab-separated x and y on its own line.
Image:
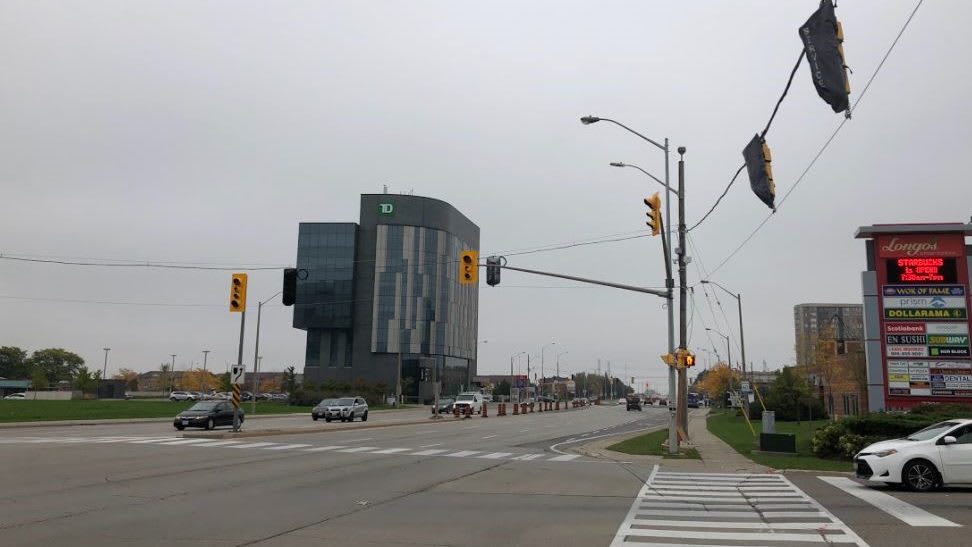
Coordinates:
346	401
208	405
931	431
465	398
328	402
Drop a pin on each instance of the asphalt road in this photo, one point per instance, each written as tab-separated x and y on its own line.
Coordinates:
480	481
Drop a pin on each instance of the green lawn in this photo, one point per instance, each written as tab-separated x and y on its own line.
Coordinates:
650	444
733	430
34	411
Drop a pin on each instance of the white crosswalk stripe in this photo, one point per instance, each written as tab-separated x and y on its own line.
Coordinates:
899	509
182	442
708	510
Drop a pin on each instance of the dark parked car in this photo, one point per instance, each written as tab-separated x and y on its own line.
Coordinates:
445	406
634	402
206	414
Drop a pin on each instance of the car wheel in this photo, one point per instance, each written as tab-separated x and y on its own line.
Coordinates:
364	417
328	420
351	417
180	427
314	416
210	424
919	476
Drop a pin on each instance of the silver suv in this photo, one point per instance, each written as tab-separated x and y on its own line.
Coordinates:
345	409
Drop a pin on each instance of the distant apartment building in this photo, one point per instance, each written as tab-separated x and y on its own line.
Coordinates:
830	352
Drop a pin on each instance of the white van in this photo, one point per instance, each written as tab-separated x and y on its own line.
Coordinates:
471	399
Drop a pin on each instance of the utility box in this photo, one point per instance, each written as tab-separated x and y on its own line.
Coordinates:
769	421
777	442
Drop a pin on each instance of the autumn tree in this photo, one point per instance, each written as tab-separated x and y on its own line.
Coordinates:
717	381
198	379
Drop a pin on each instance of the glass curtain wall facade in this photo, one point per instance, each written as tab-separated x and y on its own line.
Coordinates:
325	296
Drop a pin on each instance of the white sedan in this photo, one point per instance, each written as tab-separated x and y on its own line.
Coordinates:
15	397
938	455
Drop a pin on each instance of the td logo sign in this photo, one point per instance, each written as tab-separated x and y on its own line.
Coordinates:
386	208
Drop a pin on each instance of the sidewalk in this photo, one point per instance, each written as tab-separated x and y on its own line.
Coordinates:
717	456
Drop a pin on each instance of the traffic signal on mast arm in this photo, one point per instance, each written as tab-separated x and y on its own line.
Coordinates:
654	213
493	270
468	267
238	293
289	296
759	166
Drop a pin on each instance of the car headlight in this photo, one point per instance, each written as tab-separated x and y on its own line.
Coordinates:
885	453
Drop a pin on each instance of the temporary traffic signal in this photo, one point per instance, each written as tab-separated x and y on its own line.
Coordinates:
469	267
493	271
823	38
238	293
654	213
289	296
759	166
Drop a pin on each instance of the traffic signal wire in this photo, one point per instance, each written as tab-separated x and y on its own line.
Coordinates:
137	264
826	144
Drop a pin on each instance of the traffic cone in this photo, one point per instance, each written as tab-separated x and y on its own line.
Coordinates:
485	413
501	411
541	407
455	411
516	409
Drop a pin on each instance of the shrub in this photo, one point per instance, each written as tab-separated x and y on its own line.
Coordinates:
825	441
946	410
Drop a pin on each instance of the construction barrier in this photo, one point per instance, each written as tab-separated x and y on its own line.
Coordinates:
455	411
516	409
502	410
523	408
541	407
484	412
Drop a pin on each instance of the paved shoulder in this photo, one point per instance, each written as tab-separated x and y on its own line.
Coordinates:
725	508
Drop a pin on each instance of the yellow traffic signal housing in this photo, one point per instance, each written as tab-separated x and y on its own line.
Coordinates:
843	60
654	213
238	293
469	267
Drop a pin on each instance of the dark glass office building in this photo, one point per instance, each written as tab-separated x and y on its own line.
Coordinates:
386	289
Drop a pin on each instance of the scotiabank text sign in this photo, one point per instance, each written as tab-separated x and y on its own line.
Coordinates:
924	305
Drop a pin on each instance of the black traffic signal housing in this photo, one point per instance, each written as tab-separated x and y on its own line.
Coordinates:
759	165
289	295
238	293
493	270
469	267
654	213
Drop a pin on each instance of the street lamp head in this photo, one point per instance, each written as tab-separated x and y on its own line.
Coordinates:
588	120
617	164
681	150
705	281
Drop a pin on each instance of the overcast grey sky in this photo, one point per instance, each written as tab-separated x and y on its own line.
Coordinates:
205	131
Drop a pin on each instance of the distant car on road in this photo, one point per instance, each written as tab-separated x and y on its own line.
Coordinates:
938	455
15	397
622	401
206	414
181	396
345	409
633	402
445	406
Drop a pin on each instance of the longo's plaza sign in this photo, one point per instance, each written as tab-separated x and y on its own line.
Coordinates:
923	302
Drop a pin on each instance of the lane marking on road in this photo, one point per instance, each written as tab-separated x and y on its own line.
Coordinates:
286	446
251	445
325	448
360	440
565	458
489	437
149	441
359	449
220	443
432	452
430	445
391	451
528	457
187	441
496	455
462	453
524	430
901	510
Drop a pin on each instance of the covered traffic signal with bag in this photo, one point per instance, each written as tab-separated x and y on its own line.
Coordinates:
823	38
759	166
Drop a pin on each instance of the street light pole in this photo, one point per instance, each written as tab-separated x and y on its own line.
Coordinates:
205	358
510	395
256	353
669	281
543	376
742	336
104	372
728	353
172	382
